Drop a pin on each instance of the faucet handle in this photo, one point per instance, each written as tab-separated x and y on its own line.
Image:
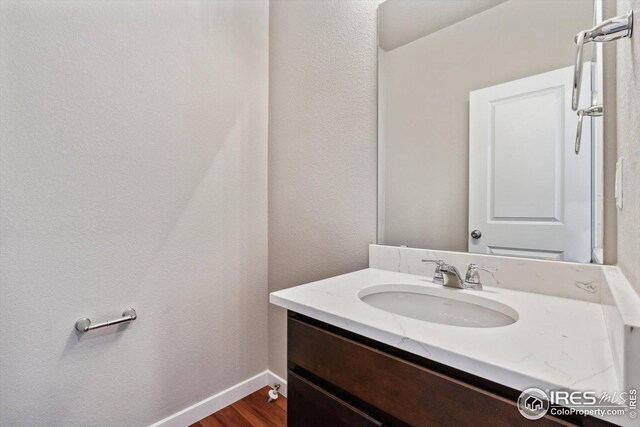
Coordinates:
438	262
438	278
476	267
472	279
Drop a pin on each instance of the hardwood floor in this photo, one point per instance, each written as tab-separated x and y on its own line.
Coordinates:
252	411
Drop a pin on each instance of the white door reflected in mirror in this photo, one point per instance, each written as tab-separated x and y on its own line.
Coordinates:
528	193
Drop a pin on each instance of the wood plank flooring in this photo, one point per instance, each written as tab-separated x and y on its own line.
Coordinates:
252	411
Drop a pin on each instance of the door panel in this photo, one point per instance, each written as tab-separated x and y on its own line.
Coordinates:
529	194
526	253
513	194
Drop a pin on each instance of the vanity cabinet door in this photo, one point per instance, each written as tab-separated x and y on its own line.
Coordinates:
311	406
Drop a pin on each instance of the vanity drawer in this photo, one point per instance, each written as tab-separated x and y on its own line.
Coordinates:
310	406
404	390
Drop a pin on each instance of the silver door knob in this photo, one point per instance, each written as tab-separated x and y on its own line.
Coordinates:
476	234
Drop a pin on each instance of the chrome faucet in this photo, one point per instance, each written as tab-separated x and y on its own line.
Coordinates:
445	274
438	279
452	278
449	276
472	279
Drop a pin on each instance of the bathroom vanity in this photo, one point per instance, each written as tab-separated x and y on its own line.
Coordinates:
339	378
356	361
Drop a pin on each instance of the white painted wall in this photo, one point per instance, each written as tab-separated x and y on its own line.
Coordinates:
628	135
134	173
322	145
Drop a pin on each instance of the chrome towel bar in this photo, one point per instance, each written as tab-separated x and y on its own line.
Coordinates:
84	324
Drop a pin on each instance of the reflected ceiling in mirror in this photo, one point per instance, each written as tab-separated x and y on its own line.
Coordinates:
476	131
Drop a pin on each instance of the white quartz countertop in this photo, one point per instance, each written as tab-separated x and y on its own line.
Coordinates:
555	343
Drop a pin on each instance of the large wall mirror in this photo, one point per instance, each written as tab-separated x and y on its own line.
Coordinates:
477	132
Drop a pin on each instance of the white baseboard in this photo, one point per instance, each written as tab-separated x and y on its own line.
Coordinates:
273	378
214	403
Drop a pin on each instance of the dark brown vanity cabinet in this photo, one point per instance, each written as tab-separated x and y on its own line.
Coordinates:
337	378
311	405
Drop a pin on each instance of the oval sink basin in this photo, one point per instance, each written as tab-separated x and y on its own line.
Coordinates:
436	305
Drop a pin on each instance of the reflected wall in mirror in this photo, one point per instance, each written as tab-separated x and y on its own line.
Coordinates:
476	131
